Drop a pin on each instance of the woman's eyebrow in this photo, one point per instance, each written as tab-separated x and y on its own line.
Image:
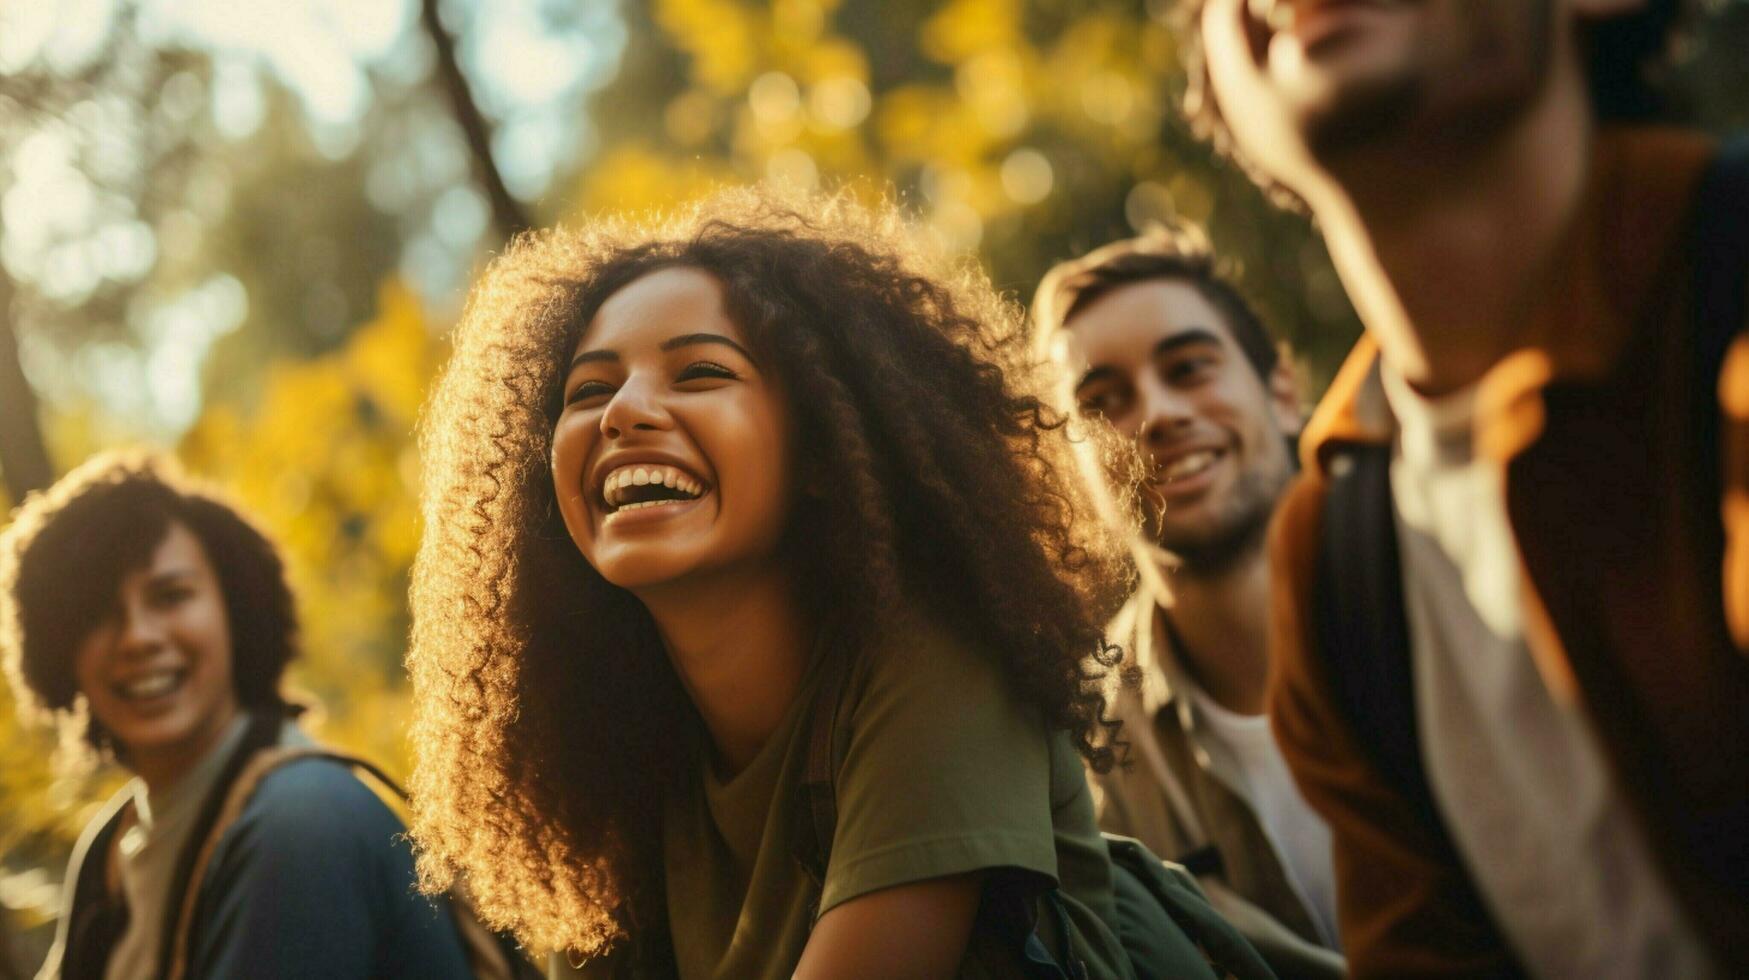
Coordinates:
691	339
594	355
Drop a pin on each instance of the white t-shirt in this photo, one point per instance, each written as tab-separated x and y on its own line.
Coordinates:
1301	839
1521	780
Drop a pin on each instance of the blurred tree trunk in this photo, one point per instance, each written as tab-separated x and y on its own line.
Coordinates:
507	213
24	454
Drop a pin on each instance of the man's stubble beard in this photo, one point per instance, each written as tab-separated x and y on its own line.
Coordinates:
1361	118
1238	532
1399	109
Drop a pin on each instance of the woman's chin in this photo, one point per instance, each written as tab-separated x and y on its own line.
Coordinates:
159	735
642	571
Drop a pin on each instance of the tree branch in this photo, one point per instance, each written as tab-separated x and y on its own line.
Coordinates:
24	454
507	213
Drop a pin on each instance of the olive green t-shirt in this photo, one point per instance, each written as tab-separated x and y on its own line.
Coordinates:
944	771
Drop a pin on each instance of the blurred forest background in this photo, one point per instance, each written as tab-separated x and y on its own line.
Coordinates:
240	229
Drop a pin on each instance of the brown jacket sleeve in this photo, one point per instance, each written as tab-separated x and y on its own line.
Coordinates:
1405	905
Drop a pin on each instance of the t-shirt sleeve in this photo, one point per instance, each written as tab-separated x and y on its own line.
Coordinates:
946	772
316	879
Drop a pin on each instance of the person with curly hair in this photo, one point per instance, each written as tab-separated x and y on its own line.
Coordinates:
150	621
757	621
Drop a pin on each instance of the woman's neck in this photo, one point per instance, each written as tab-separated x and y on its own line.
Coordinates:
740	642
162	767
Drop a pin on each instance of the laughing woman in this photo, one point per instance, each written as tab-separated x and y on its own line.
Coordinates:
757	618
152	621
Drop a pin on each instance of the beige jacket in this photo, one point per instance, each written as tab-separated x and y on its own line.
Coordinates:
1179	801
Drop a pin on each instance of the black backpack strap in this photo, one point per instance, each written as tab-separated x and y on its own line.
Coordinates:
1721	255
1362	626
1362	630
1720	303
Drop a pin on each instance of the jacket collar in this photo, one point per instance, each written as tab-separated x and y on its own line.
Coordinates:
1634	206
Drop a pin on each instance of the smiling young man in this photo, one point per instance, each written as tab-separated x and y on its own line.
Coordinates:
1164	349
1512	604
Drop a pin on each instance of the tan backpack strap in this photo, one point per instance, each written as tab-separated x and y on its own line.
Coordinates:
488	959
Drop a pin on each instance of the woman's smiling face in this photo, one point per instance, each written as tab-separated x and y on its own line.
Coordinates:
671	455
156	670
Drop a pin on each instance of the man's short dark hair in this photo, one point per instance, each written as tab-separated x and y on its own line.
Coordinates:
63	559
1182	255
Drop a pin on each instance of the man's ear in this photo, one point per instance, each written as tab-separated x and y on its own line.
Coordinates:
1283	388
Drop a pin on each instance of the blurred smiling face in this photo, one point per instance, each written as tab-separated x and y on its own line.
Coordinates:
671	455
157	670
1156	360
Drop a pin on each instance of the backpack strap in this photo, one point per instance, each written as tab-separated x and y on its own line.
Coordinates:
262	731
1721	257
1720	300
1362	625
484	950
1362	630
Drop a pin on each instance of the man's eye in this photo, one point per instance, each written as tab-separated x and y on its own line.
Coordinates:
705	369
1104	403
587	390
1190	369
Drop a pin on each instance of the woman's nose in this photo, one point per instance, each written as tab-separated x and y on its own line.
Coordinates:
635	406
139	632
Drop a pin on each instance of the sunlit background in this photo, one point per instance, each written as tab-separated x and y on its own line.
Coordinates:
240	229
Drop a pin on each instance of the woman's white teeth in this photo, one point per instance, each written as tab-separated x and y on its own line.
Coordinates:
1189	465
152	685
644	503
620	480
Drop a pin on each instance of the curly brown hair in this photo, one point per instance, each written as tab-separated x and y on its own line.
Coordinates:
548	721
61	565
